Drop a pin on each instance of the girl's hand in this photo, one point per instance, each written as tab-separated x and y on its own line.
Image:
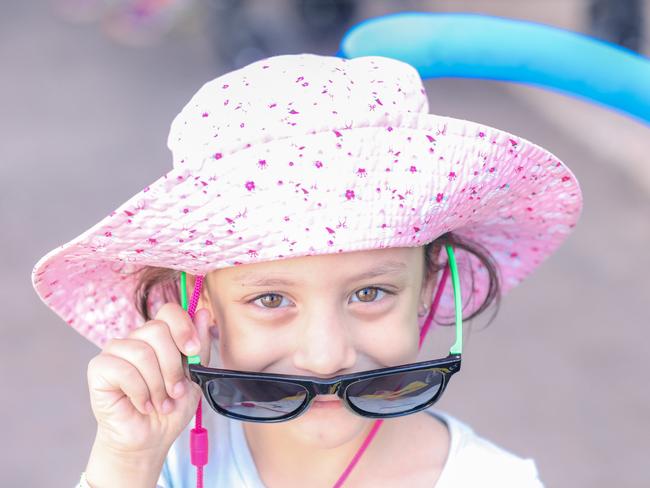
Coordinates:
139	393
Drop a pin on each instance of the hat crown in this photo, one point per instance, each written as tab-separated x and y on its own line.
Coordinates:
291	95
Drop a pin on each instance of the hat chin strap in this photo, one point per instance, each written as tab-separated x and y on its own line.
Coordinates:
199	435
434	306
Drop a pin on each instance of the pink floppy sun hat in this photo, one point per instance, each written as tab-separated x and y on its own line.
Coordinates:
302	155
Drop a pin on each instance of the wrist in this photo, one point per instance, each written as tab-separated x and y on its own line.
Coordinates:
109	467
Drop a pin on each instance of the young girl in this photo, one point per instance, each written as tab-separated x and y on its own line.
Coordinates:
315	214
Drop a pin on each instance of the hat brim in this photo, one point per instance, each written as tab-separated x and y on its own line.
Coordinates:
355	189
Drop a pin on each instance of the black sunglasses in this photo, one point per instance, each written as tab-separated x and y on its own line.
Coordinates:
380	393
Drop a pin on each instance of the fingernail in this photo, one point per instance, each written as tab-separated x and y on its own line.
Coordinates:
191	347
167	406
148	407
179	389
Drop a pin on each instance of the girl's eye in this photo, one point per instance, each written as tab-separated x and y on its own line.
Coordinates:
270	300
274	300
368	294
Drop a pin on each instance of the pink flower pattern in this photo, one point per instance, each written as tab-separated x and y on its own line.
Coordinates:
345	146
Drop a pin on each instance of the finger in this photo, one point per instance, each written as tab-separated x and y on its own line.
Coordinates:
143	357
157	334
181	327
108	373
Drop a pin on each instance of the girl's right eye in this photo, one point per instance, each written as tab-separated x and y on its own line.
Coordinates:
269	300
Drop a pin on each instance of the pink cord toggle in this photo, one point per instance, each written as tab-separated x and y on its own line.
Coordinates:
199	446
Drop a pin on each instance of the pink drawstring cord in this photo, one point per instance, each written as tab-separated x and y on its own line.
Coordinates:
199	436
371	435
434	306
360	451
196	294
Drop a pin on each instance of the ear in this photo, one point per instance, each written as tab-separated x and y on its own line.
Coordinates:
429	279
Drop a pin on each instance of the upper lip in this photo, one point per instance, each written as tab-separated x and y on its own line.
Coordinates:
326	398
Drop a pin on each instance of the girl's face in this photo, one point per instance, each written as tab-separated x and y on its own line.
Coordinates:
321	316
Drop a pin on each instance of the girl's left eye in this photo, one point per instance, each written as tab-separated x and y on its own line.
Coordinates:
369	294
270	300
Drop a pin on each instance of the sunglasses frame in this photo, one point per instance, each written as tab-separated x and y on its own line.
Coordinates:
314	386
339	384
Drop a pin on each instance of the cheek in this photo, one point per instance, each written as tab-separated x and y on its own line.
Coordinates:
392	341
249	348
242	345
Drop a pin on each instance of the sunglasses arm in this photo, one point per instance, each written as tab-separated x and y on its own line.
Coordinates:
457	348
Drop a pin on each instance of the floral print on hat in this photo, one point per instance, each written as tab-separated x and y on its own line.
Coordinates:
300	155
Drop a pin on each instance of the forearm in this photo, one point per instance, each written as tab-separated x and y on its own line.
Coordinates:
108	469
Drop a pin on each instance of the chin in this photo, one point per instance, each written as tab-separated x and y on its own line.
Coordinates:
328	428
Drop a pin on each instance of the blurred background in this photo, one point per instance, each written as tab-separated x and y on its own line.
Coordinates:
561	375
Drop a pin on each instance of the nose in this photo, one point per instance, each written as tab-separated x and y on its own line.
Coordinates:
324	345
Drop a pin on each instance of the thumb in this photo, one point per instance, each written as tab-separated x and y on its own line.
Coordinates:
202	320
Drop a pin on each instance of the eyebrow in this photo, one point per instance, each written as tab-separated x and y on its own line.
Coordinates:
252	279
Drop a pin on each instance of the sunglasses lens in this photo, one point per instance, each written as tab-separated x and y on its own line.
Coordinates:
257	399
396	393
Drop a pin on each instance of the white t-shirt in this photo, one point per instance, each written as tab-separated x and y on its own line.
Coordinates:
472	461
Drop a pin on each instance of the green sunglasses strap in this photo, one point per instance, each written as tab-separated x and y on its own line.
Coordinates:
457	348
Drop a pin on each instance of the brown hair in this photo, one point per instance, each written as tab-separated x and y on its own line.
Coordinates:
485	258
165	281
